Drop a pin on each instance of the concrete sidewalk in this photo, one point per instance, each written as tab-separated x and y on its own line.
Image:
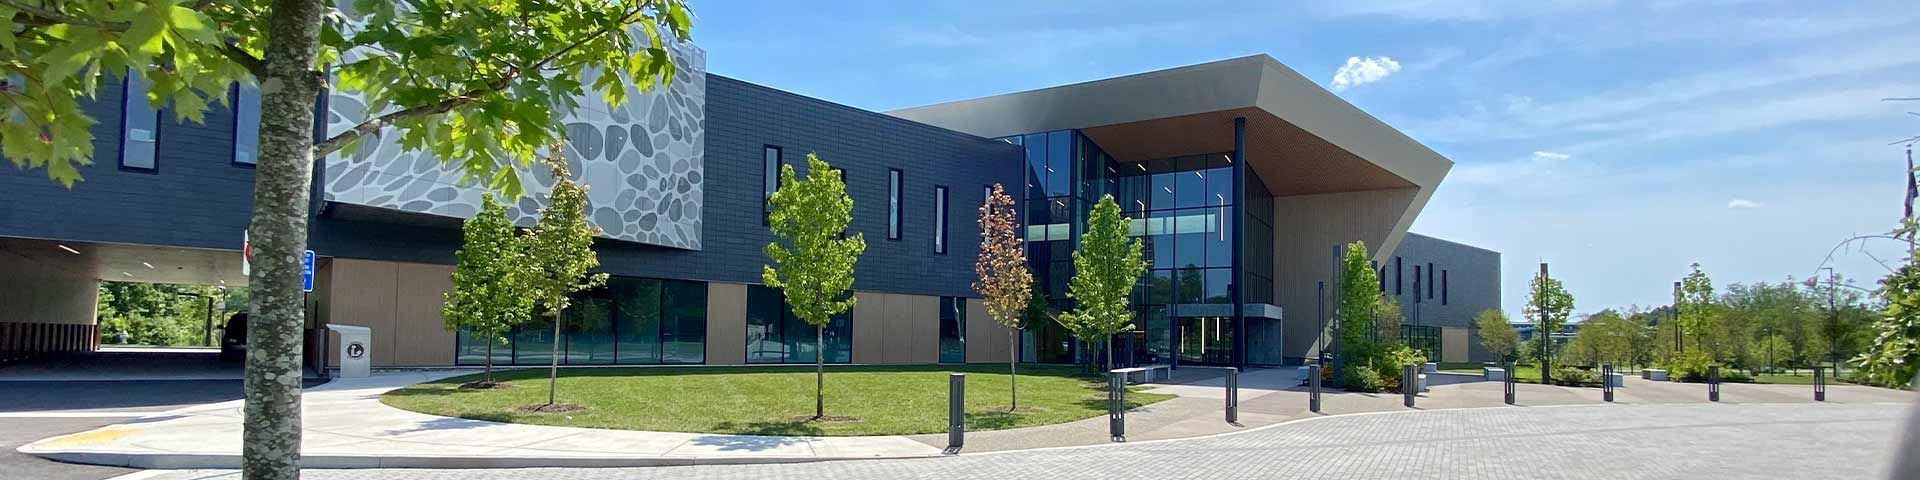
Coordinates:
346	426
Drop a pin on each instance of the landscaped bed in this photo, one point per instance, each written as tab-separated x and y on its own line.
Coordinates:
868	400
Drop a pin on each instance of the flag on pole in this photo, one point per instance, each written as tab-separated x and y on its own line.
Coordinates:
1913	188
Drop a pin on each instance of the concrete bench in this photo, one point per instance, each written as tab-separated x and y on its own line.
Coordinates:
1145	374
1495	374
1654	374
1617	380
1430	367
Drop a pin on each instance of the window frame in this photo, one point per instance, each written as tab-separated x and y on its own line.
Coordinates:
1443	287
770	177
238	117
126	97
896	203
941	206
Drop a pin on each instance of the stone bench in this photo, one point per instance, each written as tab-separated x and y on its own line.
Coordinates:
1430	367
1616	380
1494	374
1145	373
1654	374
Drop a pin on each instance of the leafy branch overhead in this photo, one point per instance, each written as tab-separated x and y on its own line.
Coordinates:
479	81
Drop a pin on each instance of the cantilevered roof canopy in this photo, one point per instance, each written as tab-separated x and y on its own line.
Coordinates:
1301	139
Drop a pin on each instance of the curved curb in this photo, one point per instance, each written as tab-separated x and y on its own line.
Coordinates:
166	461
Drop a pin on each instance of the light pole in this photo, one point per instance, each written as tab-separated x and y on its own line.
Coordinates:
1679	346
1833	321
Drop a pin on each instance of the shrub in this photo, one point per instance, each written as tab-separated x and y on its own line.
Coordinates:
1360	380
1575	377
1405	355
1691	367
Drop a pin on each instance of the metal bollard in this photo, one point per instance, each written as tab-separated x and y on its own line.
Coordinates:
1409	383
1819	384
1713	384
1509	382
1233	395
1606	382
1117	406
1313	388
956	411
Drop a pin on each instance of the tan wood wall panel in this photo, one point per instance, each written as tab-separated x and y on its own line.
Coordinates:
919	317
420	334
1454	344
869	327
987	340
364	294
1306	228
726	324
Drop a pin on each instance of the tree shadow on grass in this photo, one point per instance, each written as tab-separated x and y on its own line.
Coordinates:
791	428
991	420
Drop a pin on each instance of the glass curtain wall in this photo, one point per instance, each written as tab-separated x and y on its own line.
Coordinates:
1183	212
628	321
953	330
1052	209
776	335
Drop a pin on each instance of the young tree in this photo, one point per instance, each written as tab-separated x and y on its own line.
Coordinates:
490	273
1549	304
813	260
1355	314
1105	268
560	247
1005	284
489	67
1700	313
1894	357
1496	333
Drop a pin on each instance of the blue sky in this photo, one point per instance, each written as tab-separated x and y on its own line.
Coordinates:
1619	141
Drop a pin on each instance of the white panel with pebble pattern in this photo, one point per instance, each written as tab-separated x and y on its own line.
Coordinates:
644	162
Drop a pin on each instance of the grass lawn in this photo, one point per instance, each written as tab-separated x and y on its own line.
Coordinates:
882	400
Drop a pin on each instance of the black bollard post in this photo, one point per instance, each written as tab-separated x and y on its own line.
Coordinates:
1606	382
1819	384
1713	383
1117	406
956	411
1313	388
1509	382
1233	395
1409	383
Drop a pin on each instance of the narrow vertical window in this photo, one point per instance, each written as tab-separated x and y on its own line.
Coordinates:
1416	283
1443	287
1429	281
246	124
940	220
770	179
894	186
1396	276
139	126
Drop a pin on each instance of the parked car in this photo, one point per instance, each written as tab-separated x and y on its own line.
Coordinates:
233	338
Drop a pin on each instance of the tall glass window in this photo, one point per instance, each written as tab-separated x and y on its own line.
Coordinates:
940	219
139	125
776	335
769	178
894	189
628	321
246	124
953	330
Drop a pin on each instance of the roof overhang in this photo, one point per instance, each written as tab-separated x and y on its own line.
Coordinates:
1301	139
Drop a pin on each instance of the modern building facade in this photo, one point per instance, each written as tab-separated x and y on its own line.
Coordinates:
1240	175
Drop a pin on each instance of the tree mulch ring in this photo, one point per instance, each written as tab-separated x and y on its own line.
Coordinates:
554	408
484	385
827	418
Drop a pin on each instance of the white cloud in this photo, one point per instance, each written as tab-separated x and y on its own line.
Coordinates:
1360	71
1741	203
1546	155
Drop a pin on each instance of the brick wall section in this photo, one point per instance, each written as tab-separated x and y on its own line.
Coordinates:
198	197
742	118
1473	284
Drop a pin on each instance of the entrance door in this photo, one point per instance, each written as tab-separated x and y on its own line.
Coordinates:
1206	340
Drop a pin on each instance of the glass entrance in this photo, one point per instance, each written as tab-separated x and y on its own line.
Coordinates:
1206	340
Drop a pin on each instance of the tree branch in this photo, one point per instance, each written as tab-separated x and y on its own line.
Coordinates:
238	55
57	17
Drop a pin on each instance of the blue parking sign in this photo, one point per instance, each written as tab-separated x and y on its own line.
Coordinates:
306	271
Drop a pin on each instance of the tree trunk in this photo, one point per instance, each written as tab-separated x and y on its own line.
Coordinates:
553	372
1109	353
819	371
1013	370
488	378
283	181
